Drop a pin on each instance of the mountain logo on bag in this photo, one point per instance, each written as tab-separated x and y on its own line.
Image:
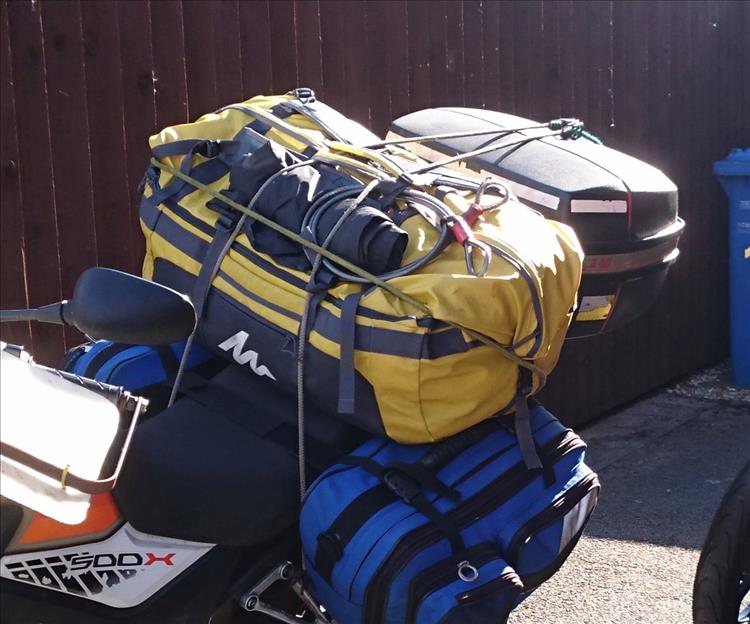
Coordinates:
236	344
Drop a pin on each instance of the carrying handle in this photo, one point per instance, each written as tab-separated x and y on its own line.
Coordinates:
449	449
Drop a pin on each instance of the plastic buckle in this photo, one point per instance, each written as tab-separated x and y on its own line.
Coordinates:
330	543
209	148
401	485
304	95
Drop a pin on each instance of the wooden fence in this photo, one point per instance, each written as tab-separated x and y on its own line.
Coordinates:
85	83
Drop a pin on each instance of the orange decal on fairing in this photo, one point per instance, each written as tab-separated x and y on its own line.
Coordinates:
102	515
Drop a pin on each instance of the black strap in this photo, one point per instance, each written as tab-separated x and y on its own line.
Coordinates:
102	357
331	542
169	362
347	341
523	422
226	229
440	520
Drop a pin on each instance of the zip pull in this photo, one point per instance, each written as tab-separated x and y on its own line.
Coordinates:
467	572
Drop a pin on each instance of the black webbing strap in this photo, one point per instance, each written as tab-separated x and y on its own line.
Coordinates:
523	422
401	481
227	229
446	527
169	362
347	344
331	542
102	357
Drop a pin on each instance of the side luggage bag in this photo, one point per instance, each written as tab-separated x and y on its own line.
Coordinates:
458	532
134	367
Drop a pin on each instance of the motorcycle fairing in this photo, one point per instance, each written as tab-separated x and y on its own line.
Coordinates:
121	571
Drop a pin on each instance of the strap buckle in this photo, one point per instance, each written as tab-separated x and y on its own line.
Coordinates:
403	486
210	148
304	94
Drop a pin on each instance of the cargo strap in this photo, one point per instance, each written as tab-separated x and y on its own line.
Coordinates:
346	361
523	423
227	230
404	481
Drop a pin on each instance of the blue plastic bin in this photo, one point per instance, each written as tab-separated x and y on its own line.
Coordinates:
734	176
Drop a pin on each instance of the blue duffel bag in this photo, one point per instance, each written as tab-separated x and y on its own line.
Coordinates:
134	367
455	532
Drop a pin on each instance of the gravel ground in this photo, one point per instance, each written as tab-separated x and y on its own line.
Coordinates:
664	464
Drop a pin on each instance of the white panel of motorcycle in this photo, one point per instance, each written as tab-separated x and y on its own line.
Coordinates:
121	571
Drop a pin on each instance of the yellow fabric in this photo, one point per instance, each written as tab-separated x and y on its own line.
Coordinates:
420	399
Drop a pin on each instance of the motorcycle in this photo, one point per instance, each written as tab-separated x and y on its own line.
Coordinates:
216	539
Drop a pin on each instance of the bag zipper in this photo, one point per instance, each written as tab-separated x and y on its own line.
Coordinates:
431	579
501	490
563	505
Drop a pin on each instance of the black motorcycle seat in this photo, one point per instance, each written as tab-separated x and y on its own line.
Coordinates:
220	465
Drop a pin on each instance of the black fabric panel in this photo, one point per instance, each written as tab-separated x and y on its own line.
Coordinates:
224	470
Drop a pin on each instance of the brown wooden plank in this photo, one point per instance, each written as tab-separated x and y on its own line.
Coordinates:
138	105
418	19
379	87
437	52
568	68
527	23
499	56
283	46
455	67
255	48
200	57
334	67
13	286
111	196
354	42
229	86
36	175
473	54
309	60
168	42
396	56
69	136
550	70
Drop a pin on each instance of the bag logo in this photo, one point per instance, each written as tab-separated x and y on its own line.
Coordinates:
236	344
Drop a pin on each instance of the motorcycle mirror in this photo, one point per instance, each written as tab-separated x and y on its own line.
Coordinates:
117	306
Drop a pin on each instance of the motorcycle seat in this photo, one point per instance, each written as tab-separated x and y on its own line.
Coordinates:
220	465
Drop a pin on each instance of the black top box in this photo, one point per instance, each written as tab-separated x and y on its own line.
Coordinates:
623	210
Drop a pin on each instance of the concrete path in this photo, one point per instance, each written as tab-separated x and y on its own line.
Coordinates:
664	464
